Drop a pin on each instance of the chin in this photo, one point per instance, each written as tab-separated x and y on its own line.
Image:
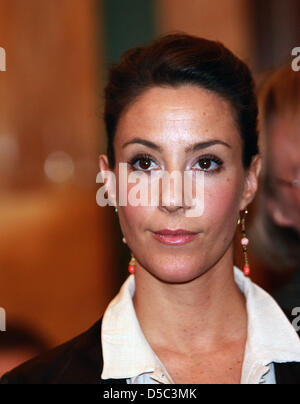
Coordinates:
175	278
176	274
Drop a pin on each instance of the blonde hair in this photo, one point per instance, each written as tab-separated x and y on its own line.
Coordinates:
280	94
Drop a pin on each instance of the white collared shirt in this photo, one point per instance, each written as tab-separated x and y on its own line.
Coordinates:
128	355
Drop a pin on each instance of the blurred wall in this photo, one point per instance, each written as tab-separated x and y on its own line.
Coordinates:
226	21
276	32
57	270
127	23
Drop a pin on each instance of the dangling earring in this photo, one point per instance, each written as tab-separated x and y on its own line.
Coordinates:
123	239
131	265
245	242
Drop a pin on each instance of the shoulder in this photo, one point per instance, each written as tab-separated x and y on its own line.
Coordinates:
288	373
78	361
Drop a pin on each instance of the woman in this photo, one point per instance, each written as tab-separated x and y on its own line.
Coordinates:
185	314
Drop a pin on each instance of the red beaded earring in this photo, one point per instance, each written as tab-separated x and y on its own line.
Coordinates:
131	265
244	242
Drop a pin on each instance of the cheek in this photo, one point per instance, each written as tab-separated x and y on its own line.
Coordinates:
290	203
131	216
222	205
133	221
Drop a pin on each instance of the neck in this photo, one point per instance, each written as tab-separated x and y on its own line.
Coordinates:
200	313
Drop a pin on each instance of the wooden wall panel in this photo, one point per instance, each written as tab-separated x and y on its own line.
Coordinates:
57	268
224	20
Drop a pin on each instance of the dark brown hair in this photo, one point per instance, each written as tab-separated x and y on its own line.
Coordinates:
176	60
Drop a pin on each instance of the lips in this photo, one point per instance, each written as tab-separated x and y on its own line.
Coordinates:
174	237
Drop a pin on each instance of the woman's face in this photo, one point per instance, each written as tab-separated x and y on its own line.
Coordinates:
185	128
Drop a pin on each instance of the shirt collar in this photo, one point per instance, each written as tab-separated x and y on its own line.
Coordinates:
127	353
271	336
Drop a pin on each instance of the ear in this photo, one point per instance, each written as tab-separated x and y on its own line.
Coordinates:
109	179
251	182
277	214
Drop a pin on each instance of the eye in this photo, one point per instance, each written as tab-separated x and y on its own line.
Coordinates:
209	163
143	163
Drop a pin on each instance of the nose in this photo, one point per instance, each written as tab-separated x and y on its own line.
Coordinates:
172	193
171	208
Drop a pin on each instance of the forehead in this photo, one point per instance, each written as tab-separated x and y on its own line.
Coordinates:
177	114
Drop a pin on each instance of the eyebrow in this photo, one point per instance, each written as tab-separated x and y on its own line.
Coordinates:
189	149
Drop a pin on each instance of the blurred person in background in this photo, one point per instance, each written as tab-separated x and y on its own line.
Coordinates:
17	345
275	229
